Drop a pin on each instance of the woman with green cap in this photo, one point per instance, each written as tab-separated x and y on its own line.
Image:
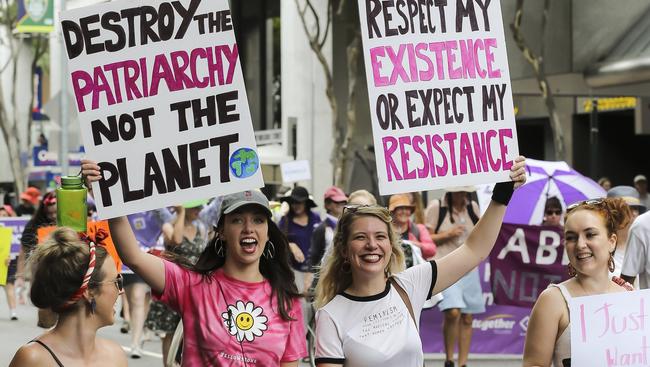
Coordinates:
186	237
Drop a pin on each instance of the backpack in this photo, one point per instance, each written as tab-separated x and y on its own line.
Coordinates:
443	212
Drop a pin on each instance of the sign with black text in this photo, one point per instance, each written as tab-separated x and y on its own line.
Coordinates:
161	101
440	96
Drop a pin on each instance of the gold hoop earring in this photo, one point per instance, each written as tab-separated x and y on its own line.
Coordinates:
219	248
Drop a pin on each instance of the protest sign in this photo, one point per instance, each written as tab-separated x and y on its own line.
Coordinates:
524	261
610	329
295	171
161	101
439	90
5	246
17	225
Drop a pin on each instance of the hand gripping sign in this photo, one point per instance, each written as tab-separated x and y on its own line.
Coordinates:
161	101
439	89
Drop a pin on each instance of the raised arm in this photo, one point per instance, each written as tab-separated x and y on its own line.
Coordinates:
481	240
147	266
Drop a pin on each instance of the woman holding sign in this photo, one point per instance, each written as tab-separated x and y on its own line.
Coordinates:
239	304
369	309
590	242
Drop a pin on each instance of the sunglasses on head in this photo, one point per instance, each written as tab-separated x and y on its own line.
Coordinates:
584	202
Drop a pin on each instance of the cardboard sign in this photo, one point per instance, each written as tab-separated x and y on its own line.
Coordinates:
440	96
295	171
161	101
610	329
5	246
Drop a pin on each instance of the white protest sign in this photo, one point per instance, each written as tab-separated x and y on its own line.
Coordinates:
439	90
161	101
610	329
295	171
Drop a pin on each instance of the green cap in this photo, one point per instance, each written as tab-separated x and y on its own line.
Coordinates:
71	181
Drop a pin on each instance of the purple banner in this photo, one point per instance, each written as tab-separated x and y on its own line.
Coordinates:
500	330
524	261
17	225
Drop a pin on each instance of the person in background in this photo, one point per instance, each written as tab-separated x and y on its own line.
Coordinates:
605	183
10	290
361	197
401	210
321	240
636	261
298	225
450	221
79	281
552	212
631	198
641	185
28	202
418	204
186	236
44	216
590	241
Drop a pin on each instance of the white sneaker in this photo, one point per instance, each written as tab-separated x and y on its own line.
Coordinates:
136	353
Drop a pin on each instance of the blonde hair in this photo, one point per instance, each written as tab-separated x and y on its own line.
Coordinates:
334	278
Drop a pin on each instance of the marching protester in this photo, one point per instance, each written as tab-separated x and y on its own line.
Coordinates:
239	302
450	221
552	212
186	237
401	209
323	236
79	281
637	261
44	216
28	202
590	242
363	276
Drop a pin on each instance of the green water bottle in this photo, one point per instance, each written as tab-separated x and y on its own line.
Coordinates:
71	208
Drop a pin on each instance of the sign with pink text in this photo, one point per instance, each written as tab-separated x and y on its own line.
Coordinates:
610	329
161	100
440	96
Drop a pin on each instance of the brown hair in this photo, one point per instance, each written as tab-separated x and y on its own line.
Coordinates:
334	279
58	268
615	212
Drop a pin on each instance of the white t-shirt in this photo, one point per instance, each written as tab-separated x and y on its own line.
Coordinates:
375	330
637	261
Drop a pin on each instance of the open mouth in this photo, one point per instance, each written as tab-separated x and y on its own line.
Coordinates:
371	258
248	245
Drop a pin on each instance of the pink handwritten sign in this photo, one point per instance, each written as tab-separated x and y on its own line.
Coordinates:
610	329
439	90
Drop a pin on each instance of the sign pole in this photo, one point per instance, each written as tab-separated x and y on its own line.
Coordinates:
63	149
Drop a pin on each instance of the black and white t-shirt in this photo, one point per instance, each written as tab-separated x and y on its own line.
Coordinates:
375	330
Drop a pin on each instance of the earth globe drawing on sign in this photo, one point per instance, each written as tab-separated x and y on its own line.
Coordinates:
244	162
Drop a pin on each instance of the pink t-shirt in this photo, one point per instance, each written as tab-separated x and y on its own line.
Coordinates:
228	321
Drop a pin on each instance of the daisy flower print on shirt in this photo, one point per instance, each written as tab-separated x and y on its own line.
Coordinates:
245	321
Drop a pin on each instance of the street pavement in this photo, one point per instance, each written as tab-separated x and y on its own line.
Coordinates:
13	334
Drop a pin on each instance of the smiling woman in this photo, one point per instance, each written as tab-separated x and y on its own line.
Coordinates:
590	242
365	300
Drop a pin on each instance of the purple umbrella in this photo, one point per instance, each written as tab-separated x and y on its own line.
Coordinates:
546	179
